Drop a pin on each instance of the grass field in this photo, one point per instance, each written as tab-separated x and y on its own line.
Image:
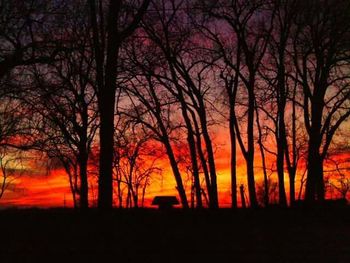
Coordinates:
265	235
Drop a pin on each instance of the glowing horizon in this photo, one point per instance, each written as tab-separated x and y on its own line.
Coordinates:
52	190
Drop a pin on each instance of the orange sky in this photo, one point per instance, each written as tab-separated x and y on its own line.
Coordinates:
41	190
52	190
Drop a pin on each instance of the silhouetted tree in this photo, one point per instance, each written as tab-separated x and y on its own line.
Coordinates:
185	67
278	47
153	108
295	141
135	159
321	53
251	25
262	135
63	96
108	35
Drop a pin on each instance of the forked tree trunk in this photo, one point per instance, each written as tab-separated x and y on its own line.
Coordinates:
202	159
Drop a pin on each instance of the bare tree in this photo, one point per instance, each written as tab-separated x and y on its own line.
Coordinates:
231	83
108	35
278	47
153	108
136	157
262	136
63	96
251	26
186	70
321	55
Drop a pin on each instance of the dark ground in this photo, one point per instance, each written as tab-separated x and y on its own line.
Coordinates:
291	235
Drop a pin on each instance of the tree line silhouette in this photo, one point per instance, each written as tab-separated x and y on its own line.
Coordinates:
104	88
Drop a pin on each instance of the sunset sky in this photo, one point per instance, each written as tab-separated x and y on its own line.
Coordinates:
80	93
38	187
52	189
41	188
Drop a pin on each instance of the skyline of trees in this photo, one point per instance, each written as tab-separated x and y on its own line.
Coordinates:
107	88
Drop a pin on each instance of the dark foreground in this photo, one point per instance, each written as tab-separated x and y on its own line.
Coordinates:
321	235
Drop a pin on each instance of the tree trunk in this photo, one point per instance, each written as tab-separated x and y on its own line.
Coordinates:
211	161
71	185
192	148
212	169
281	128
202	159
106	101
84	188
292	173
195	169
84	154
280	160
105	187
263	161
233	161
314	183
177	175
241	189
250	151
136	198
292	164
320	189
